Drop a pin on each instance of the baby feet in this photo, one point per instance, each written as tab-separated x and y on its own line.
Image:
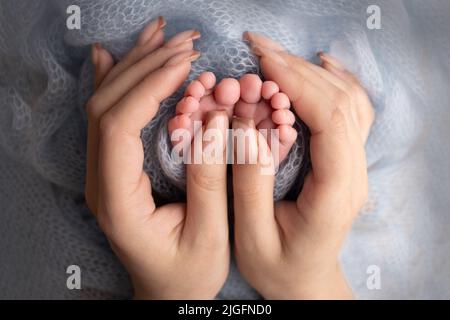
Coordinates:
269	108
247	98
201	96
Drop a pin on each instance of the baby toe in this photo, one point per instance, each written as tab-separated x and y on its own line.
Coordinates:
251	86
287	135
208	80
280	101
195	89
187	105
227	92
269	88
182	121
180	130
283	117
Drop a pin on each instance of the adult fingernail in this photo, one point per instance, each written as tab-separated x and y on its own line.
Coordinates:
183	37
263	41
161	22
268	53
248	36
329	59
195	35
95	53
150	30
187	56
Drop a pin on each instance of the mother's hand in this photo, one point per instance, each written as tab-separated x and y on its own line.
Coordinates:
179	250
291	249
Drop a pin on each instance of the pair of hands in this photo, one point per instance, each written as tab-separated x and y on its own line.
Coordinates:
181	251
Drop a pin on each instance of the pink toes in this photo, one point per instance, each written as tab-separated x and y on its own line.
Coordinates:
283	116
208	80
187	105
249	97
227	92
251	87
248	106
269	88
188	109
199	99
284	119
287	136
280	100
181	121
202	86
195	89
269	108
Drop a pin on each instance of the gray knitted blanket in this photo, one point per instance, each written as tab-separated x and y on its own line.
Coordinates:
46	78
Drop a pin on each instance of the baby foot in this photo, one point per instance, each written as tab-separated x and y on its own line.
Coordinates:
201	96
269	109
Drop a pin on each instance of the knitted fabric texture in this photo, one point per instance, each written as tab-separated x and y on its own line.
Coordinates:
46	79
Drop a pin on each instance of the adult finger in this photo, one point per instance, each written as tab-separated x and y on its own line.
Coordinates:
109	94
207	182
150	39
120	147
179	42
305	91
363	106
330	84
103	63
296	62
255	223
325	115
255	38
299	64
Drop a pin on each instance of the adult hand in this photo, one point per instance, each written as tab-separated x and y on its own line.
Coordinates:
179	251
291	249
